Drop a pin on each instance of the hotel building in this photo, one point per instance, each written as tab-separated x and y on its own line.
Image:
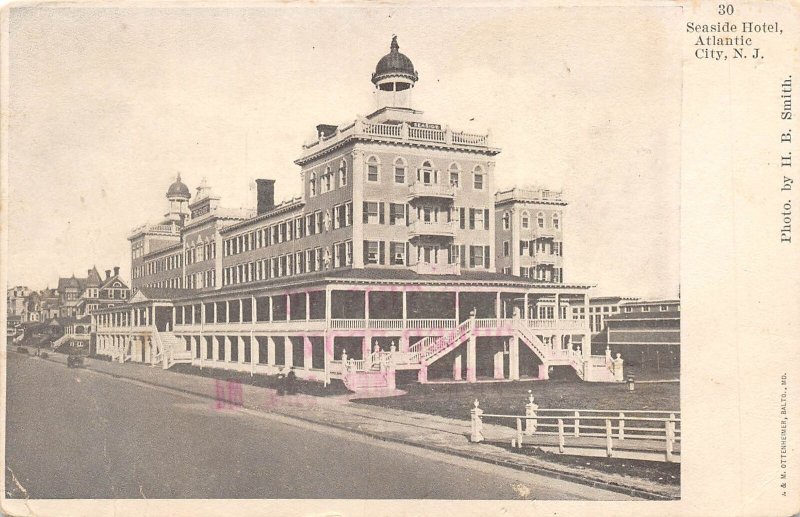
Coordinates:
384	268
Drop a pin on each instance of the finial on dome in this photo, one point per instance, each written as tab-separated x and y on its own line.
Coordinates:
394	46
178	177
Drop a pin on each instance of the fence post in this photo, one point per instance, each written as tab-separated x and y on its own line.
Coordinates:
609	437
530	412
622	426
560	435
670	434
519	433
477	425
577	426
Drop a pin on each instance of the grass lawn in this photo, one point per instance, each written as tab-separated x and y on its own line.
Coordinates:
304	387
455	400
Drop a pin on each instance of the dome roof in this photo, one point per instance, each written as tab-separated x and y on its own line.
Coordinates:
178	189
393	64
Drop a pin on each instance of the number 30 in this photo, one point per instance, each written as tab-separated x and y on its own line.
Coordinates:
725	9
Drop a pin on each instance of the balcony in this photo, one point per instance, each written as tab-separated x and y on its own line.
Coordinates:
432	134
432	228
545	258
426	268
418	190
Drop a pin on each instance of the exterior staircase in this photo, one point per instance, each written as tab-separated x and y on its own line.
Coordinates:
169	349
378	370
595	368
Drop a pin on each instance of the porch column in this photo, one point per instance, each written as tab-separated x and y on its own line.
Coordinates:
288	307
457	367
405	312
227	357
253	311
499	369
227	314
328	296
525	314
173	317
458	303
513	358
328	352
270	308
558	307
472	374
308	306
215	341
288	351
240	350
366	308
241	310
308	351
202	314
497	305
270	351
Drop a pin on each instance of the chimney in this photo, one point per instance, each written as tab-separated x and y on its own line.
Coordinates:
116	271
265	195
108	274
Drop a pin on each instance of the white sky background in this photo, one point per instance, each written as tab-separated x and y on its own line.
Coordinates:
106	105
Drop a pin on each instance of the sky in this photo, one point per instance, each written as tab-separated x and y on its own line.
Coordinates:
107	105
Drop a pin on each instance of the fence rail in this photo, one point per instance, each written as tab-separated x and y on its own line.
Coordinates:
635	434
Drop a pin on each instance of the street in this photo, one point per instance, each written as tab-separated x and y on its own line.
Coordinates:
75	433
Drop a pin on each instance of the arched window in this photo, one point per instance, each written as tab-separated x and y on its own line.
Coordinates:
312	184
427	174
540	219
477	178
399	170
507	221
343	173
455	175
373	168
556	221
327	179
526	220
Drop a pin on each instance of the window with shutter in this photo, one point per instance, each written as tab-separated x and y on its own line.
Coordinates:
382	252
487	259
485	218
381	217
471	218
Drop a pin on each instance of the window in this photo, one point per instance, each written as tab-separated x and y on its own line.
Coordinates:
628	309
645	309
477	178
371	215
348	209
312	184
397	213
506	248
348	246
540	220
556	221
318	220
372	169
327	179
507	221
476	256
663	308
455	175
524	247
426	174
526	220
371	252
310	226
343	173
397	253
298	228
399	171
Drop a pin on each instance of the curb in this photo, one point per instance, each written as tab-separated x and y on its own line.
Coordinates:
544	471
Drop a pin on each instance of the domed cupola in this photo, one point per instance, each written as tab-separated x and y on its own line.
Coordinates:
178	195
394	78
178	190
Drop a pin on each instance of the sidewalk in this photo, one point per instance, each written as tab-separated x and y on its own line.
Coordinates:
431	432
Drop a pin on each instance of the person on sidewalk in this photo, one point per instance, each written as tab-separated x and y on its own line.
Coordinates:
290	384
281	382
